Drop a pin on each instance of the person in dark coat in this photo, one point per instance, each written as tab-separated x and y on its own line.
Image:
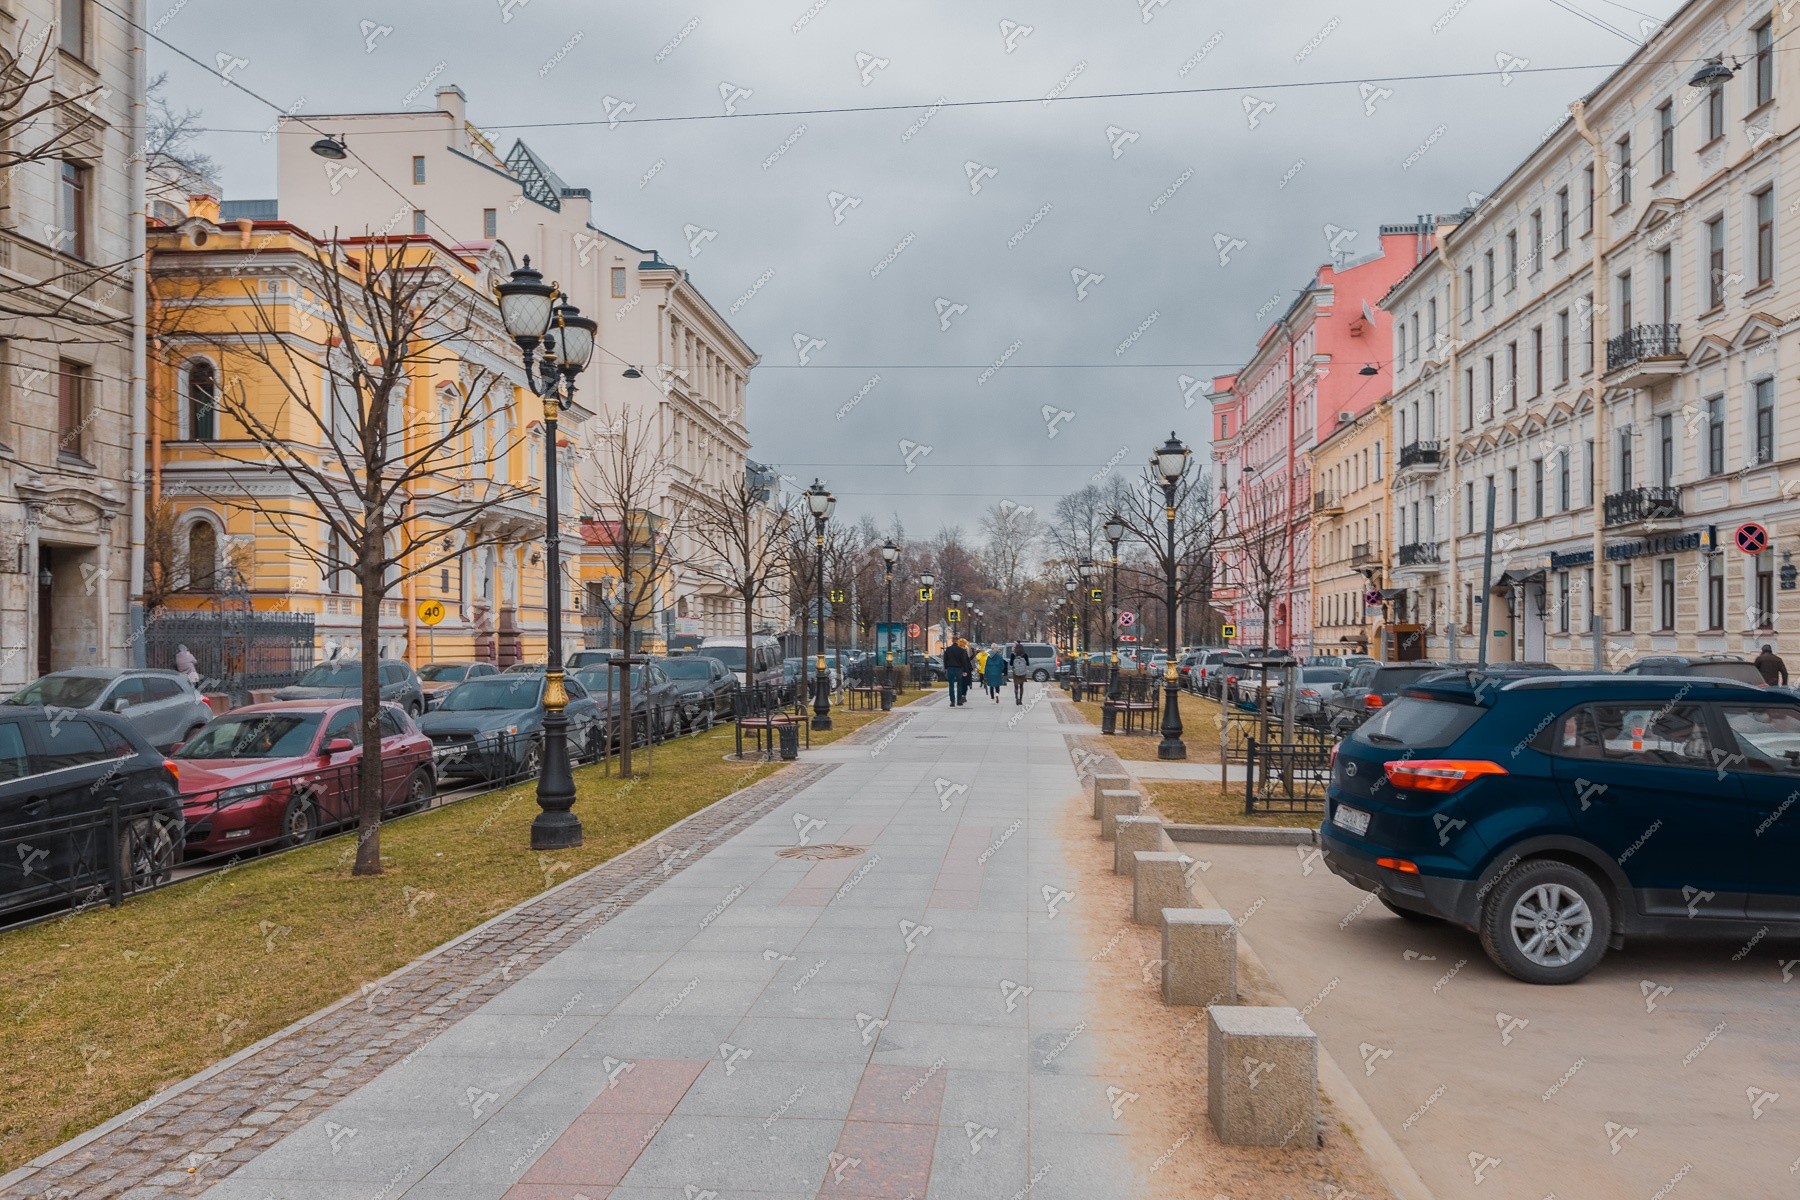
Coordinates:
993	674
1018	665
1773	669
957	665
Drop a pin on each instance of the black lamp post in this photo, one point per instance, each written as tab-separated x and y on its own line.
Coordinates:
1171	463
820	503
1087	569
927	581
1115	531
889	553
536	314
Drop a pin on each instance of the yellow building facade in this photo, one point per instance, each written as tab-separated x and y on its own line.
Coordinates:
1349	470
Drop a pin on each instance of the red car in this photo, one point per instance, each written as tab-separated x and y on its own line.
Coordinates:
282	773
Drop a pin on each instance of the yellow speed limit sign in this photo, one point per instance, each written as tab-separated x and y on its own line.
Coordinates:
431	612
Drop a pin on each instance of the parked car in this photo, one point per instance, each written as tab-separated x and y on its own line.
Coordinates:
1556	815
60	771
341	679
526	668
1708	666
1310	693
1369	687
655	701
1187	668
793	679
161	705
493	728
704	688
283	773
436	679
585	660
764	669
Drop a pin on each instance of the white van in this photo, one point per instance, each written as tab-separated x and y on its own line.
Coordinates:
765	658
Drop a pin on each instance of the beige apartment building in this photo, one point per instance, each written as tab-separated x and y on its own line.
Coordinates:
1607	343
1349	527
660	342
70	490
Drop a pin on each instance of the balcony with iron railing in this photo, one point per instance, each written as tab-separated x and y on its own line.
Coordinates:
1418	554
1327	503
1420	454
1644	354
1361	554
1642	504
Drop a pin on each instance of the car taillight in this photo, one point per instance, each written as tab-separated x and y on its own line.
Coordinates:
1371	701
1438	774
174	772
208	703
1308	692
1403	865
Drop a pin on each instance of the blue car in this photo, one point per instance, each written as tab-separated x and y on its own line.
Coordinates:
1557	815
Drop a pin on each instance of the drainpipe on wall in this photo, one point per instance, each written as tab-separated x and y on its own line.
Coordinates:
1596	391
139	283
1452	322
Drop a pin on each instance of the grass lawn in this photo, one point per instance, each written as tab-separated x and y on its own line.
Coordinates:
104	1008
1199	725
1208	803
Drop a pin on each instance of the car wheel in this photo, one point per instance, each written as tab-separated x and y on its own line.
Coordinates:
414	709
146	854
534	760
1040	676
1405	914
419	790
1546	922
300	821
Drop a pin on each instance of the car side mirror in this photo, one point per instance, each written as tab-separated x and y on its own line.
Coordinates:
121	704
340	745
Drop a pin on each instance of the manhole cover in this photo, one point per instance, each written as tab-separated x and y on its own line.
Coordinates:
824	851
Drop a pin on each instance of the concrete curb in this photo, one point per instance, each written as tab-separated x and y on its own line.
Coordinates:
1240	835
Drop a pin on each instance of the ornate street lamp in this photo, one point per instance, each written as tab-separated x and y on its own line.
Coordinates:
556	342
820	502
1171	463
889	554
1115	530
1087	569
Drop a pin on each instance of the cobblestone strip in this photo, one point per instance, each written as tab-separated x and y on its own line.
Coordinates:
189	1141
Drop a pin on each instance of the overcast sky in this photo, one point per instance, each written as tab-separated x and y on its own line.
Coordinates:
1118	283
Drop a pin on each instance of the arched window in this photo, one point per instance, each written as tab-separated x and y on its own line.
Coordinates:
203	556
202	401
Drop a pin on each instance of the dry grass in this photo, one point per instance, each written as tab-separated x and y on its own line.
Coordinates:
1207	803
1199	723
104	1008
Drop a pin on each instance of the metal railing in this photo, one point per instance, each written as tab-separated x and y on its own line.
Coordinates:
1327	502
1289	777
1418	454
1418	554
1642	504
1641	342
1361	553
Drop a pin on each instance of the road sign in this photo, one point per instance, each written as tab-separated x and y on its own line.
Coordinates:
1126	618
912	630
837	595
953	616
924	595
431	612
1096	595
1229	633
1752	538
1372	597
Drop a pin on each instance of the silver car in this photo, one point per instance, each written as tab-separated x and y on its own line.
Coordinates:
161	705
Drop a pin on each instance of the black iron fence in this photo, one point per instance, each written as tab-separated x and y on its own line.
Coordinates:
1641	342
1286	776
1419	454
1643	504
235	652
99	855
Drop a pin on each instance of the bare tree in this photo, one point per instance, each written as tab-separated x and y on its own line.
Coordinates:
393	493
743	530
1146	565
1254	537
1012	532
631	465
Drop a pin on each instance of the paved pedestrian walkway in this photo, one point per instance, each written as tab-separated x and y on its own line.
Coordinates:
865	992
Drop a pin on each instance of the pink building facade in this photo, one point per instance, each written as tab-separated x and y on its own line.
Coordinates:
1310	371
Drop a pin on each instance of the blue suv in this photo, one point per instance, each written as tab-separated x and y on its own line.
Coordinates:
1557	815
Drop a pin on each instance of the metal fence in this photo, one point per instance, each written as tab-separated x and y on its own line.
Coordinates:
235	652
80	859
1285	777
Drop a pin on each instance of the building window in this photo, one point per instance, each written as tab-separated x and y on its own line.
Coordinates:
1591	598
1763	406
418	222
73	380
1665	138
1715	114
1715	590
1487	412
1469	507
1665	594
1715	264
1622	598
1715	435
1625	300
618	283
418	168
1468	397
1562	219
72	209
1512	494
1665	450
1765	236
1625	459
1400	336
1564	469
1665	290
1588	472
334	562
1537	487
202	556
202	401
1562	346
1534	257
1765	590
73	35
1764	77
1431	323
1415	337
1562	602
1512	259
1587	342
1587	202
1624	148
1487	279
1537	361
490	222
1512	375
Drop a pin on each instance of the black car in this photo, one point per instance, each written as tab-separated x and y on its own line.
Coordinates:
61	772
655	703
493	728
1707	666
1371	686
703	689
342	680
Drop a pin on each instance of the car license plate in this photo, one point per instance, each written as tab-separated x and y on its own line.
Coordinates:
1353	819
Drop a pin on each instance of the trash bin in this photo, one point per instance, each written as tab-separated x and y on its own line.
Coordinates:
790	743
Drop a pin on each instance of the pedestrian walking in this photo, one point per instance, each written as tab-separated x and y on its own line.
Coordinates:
1773	669
993	673
186	666
956	671
1018	665
981	657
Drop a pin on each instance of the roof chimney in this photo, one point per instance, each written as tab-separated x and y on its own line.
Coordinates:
450	99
